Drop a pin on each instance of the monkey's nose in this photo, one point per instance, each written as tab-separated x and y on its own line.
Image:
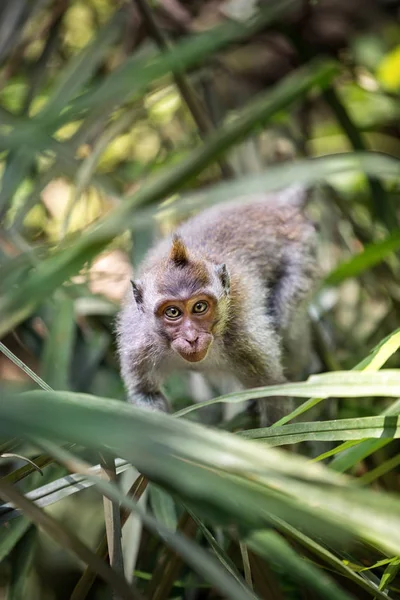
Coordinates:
192	339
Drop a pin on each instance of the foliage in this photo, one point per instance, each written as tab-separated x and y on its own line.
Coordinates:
108	139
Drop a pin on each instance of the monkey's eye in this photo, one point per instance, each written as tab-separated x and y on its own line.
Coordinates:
172	312
200	307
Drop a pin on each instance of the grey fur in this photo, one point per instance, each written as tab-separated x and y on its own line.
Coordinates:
268	248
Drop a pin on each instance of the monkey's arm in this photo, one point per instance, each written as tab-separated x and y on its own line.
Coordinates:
142	387
138	362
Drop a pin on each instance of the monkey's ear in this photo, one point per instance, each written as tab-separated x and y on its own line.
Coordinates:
137	293
223	275
178	254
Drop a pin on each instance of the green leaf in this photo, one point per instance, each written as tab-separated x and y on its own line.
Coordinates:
195	556
69	258
163	507
332	431
277	551
377	358
330	559
137	73
57	354
372	255
11	533
341	384
216	473
22	563
80	69
390	573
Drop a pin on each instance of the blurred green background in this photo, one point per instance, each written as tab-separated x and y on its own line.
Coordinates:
118	120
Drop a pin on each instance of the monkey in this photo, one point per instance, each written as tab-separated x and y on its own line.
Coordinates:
225	294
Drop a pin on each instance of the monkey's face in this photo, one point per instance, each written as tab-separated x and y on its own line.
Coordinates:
188	325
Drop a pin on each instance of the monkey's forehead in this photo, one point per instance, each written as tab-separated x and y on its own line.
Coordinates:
191	278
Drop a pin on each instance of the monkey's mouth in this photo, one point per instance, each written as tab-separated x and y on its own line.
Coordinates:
194	356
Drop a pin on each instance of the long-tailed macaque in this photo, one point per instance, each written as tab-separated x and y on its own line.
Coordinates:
226	295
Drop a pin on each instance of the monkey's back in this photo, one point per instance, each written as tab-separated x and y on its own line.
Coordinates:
261	235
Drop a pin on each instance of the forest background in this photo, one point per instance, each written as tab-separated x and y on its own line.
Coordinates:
118	120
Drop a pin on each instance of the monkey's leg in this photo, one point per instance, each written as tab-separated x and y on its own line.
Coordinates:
271	408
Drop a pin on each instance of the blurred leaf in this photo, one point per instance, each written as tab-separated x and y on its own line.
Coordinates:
217	473
330	559
277	551
163	507
16	169
388	70
68	539
390	573
372	255
70	257
217	549
57	353
136	73
11	533
384	467
80	69
23	558
194	555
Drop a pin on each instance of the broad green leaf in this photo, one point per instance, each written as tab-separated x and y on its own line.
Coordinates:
216	473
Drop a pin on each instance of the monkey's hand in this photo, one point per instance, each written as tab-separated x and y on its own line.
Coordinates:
150	400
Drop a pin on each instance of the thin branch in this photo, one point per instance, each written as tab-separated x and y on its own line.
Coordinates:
11	356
